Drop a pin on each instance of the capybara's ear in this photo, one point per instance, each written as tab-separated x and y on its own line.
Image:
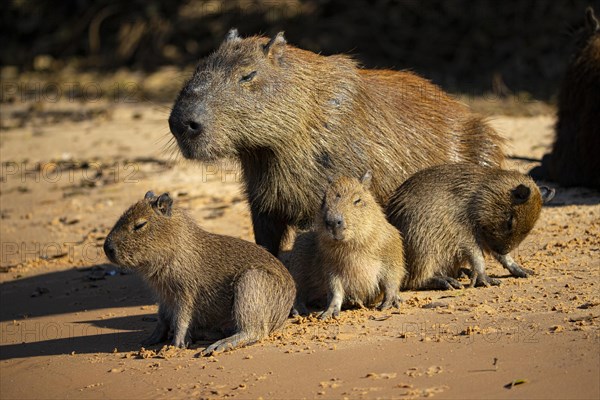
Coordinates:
149	195
276	46
232	35
547	194
591	23
520	194
164	204
366	179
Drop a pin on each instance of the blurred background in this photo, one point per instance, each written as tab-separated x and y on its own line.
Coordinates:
470	47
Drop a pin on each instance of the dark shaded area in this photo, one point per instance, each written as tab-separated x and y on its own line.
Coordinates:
464	45
69	291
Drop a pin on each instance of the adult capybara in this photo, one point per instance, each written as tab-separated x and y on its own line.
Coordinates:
352	255
208	285
450	214
574	159
293	118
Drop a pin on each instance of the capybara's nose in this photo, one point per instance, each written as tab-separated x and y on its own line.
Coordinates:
175	125
109	249
335	222
194	128
181	126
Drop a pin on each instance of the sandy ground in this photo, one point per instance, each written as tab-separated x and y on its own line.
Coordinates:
70	324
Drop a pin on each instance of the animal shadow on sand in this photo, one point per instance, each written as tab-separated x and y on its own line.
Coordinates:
29	304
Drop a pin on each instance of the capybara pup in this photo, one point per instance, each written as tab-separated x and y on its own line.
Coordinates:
450	214
206	284
353	255
294	118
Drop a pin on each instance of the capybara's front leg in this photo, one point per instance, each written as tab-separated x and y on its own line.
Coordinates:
479	276
335	298
182	318
268	231
515	269
161	331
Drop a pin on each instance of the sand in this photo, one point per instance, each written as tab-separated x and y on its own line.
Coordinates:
70	323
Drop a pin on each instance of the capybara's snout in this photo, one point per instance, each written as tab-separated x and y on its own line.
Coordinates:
335	224
110	250
185	125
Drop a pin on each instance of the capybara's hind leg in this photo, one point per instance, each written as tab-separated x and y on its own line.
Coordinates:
441	283
261	303
391	295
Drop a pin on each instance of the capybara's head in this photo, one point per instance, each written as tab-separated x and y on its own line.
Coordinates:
590	30
506	209
234	99
146	235
347	211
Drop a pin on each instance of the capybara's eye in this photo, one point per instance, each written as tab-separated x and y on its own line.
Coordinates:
357	201
139	225
248	78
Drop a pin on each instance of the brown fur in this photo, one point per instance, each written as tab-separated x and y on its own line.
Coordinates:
450	214
353	254
574	159
294	117
206	284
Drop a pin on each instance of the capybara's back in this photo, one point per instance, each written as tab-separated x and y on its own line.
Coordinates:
574	159
294	118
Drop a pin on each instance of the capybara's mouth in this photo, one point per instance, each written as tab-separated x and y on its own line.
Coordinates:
336	235
197	150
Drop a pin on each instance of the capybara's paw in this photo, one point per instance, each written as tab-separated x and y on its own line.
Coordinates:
443	283
528	271
484	280
229	343
181	343
465	272
454	284
355	303
520	272
329	313
217	347
387	304
299	309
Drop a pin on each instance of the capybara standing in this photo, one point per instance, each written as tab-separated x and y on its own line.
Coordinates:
207	285
293	118
574	159
450	214
353	255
